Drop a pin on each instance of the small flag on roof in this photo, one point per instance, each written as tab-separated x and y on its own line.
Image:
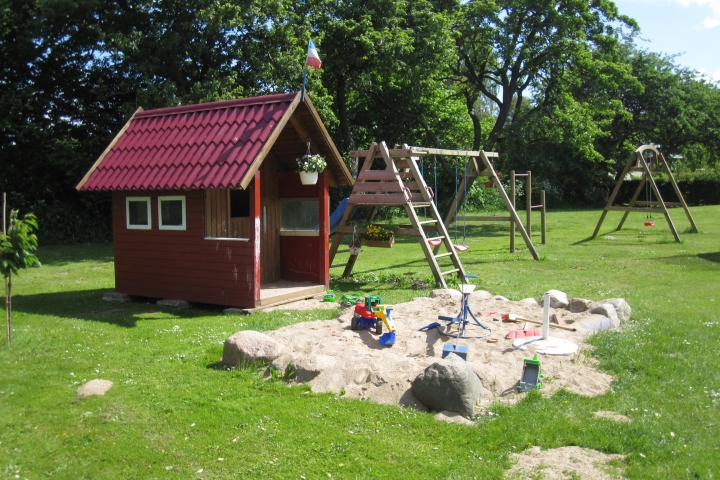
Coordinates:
313	59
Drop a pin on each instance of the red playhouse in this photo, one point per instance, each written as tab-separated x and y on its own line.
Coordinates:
207	203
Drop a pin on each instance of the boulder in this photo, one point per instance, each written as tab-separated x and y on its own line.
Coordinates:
558	299
94	387
249	347
501	298
448	384
622	308
592	323
281	364
305	369
578	305
481	295
529	301
607	310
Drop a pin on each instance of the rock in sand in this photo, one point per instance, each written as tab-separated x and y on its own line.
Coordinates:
622	308
607	310
251	347
558	299
448	384
578	305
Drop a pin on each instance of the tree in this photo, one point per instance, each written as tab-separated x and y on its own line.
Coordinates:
509	47
674	108
385	64
16	247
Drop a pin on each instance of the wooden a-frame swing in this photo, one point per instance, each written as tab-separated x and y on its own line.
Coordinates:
399	184
657	164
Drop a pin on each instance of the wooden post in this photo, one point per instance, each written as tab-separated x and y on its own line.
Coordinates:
512	201
542	215
8	284
528	203
255	208
324	228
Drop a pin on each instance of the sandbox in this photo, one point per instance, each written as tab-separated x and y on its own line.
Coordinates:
331	357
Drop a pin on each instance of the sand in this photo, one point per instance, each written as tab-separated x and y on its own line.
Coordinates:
333	358
564	463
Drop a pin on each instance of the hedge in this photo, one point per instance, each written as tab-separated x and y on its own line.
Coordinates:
698	188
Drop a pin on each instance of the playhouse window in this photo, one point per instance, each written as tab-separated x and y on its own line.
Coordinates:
172	213
137	213
239	203
300	215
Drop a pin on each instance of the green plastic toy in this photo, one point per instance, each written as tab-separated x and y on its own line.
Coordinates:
329	296
350	299
531	375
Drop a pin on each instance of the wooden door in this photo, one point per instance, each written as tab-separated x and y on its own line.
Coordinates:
269	222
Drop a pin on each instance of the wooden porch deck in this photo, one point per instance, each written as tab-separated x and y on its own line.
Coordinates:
283	291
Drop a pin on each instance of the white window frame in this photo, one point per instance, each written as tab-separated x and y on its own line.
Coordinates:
299	233
127	213
184	217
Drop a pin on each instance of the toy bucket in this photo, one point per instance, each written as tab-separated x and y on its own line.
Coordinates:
387	339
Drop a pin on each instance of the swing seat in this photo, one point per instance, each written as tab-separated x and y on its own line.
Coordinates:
460	247
434	242
649	223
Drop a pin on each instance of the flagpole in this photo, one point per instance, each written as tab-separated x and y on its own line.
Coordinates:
302	97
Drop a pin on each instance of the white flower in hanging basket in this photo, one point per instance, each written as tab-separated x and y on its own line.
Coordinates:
311	163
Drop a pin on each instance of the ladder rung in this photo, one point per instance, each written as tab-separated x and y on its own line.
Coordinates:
444	255
425	222
343	251
420	204
335	265
450	271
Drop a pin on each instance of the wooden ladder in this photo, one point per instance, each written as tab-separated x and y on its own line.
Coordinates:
400	184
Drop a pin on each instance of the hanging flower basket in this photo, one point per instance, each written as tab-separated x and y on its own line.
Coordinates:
489	184
309	166
355	249
308	178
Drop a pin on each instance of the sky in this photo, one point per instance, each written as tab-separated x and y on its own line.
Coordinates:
687	27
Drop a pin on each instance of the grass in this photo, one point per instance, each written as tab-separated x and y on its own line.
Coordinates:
173	413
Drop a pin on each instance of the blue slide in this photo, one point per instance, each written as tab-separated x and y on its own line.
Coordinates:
336	216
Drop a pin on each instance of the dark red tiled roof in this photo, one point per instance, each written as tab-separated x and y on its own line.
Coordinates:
209	145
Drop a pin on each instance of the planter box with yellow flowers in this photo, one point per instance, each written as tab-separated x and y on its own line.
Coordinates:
377	236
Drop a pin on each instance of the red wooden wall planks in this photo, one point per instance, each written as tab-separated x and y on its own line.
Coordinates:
181	264
306	258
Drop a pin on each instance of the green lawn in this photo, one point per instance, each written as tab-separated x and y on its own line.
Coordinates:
173	413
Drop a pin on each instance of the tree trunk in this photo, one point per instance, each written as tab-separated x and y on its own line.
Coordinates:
477	127
344	123
8	309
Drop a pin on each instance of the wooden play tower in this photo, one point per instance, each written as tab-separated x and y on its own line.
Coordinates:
399	184
647	160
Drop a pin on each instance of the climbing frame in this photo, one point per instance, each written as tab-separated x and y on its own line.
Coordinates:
399	184
472	172
638	163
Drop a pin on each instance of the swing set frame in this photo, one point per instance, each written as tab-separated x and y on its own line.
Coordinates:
472	172
657	164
